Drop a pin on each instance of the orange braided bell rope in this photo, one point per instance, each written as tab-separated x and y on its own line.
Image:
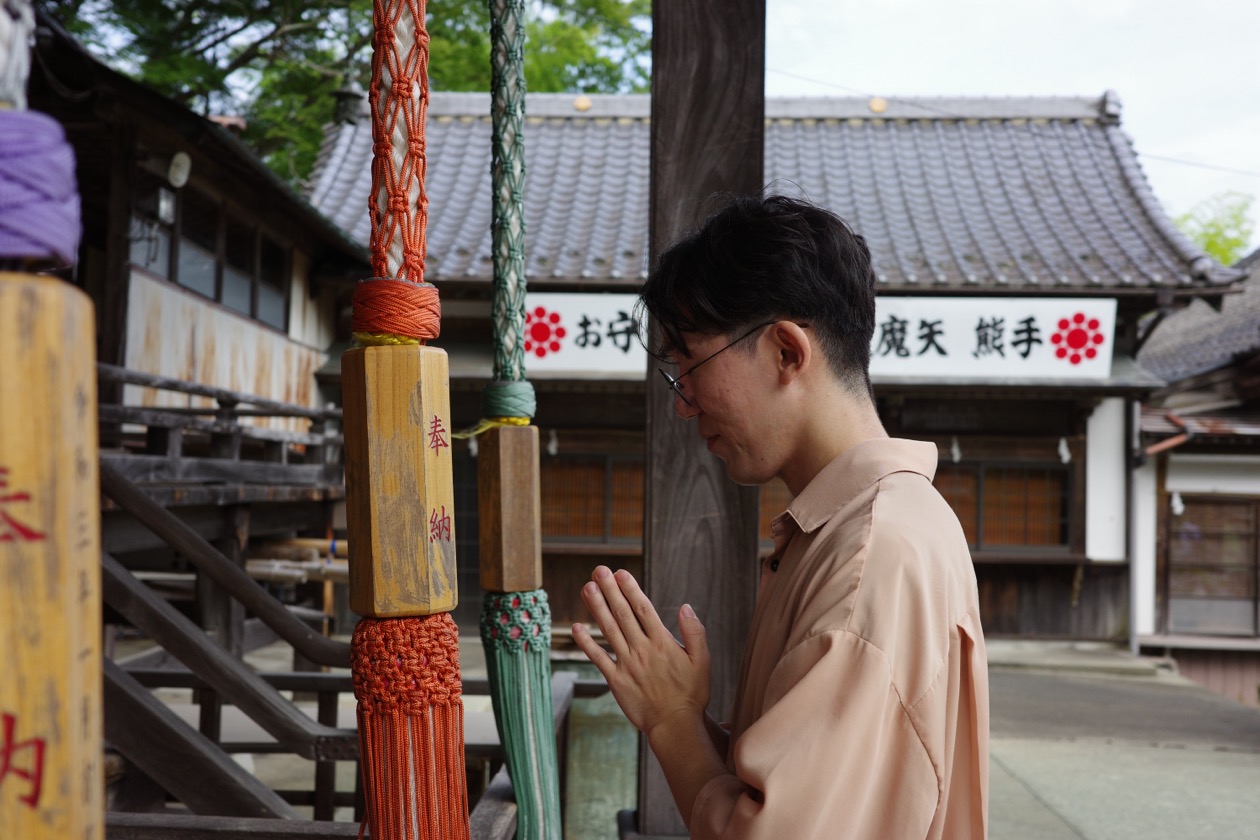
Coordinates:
411	714
406	670
387	311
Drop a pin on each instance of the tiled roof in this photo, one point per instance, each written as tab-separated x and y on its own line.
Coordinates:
951	194
1199	339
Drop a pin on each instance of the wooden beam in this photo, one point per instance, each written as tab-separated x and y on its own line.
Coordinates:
51	782
509	509
400	499
708	129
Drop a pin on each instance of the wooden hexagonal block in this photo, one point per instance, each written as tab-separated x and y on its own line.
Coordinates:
400	502
509	511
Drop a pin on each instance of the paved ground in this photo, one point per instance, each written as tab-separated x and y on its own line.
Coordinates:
1080	750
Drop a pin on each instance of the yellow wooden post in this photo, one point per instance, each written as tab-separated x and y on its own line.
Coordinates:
400	501
509	509
51	784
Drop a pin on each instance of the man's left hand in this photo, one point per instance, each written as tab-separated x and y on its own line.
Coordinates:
653	678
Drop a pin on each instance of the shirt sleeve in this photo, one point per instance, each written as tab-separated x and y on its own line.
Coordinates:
834	755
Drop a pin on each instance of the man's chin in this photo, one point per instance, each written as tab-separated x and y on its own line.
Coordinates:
743	477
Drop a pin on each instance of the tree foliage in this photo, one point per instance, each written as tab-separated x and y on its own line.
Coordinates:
278	62
1221	225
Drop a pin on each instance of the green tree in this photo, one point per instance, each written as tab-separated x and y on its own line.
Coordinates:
1220	225
278	62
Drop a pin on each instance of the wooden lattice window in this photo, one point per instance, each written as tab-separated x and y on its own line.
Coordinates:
1009	507
592	498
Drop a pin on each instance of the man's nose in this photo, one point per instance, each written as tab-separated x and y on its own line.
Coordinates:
682	408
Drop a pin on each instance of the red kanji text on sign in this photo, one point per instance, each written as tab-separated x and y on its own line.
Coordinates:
23	760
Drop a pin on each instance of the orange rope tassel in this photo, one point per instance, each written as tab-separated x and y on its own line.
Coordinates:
411	727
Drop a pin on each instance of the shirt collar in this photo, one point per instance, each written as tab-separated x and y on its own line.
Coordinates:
851	472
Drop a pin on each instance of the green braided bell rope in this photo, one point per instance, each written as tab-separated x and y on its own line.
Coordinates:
516	635
516	626
507	167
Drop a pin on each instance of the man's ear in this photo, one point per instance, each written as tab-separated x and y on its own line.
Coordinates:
795	352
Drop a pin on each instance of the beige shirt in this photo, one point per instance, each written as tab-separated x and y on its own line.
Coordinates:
863	701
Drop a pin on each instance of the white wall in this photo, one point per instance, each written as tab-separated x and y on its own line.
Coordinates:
1142	577
1226	474
1105	464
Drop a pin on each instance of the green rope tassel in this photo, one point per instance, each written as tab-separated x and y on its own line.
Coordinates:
516	635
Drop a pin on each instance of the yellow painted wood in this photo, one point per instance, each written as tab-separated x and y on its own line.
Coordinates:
509	512
400	502
51	782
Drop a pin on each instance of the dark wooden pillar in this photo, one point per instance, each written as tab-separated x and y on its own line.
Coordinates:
708	136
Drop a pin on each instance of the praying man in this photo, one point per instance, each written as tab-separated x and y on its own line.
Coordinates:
862	708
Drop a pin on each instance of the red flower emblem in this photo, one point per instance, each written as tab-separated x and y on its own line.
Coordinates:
543	332
1077	338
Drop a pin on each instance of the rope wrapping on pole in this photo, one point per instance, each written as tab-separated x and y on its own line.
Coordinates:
17	25
39	195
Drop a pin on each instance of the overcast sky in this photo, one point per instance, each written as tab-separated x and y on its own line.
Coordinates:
1187	71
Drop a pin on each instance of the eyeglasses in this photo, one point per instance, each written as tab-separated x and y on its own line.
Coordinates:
675	384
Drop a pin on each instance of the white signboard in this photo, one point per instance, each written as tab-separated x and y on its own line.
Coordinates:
582	333
994	338
1028	339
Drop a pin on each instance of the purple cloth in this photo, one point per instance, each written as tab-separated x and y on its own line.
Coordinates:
39	199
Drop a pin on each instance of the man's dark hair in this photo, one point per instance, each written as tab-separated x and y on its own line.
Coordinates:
773	257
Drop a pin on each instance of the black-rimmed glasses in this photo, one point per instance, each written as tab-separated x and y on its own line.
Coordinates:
675	383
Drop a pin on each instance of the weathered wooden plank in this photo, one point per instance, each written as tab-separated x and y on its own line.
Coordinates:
509	511
190	767
114	373
284	510
50	696
119	826
157	469
189	543
494	817
171	419
708	107
400	499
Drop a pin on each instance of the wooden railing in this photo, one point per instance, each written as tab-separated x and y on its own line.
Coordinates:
210	443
